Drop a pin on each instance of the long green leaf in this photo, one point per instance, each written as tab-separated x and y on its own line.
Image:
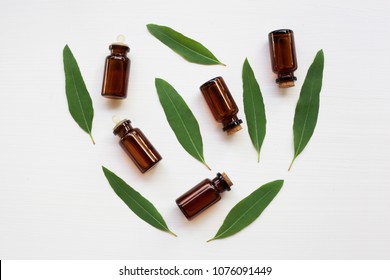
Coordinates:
253	107
79	102
248	209
188	48
181	120
142	207
306	111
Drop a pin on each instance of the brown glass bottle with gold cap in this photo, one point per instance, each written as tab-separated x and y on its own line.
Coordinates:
136	145
283	56
116	71
203	195
222	105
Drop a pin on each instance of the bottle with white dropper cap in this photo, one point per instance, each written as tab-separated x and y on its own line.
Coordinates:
116	70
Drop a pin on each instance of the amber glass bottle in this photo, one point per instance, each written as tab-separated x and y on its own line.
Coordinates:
137	146
203	195
116	71
283	57
221	104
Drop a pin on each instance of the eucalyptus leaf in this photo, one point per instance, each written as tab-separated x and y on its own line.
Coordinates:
181	120
188	48
253	107
142	207
79	101
248	209
306	111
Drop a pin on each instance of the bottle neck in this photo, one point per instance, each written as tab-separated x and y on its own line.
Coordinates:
286	79
221	183
123	128
119	49
229	123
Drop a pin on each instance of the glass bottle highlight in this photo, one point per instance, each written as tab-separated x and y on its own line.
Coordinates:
283	56
203	195
116	71
136	145
222	105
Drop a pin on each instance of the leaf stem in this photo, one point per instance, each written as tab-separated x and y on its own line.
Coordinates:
208	167
258	157
93	141
170	232
292	163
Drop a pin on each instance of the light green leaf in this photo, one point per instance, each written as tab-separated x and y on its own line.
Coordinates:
253	107
181	120
188	48
306	111
142	207
79	101
248	209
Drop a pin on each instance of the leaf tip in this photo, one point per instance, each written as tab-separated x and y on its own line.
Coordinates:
106	171
157	80
281	181
66	49
149	26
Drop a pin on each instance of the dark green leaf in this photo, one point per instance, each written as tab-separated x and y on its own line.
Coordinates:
253	107
79	101
181	120
248	209
306	111
142	207
188	48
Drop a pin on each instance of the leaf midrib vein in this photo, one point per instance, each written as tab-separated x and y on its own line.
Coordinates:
254	113
136	202
191	50
79	100
305	122
183	124
244	214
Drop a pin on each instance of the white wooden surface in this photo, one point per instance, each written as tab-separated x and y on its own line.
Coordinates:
54	200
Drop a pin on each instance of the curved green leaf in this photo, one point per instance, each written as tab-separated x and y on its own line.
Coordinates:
79	102
181	120
248	209
253	107
306	111
142	207
188	48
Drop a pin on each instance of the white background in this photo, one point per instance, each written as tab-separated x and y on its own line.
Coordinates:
55	202
110	269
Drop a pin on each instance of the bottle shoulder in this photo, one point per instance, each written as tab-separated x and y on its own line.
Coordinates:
117	57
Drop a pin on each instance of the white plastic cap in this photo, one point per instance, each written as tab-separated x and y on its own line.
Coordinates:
120	40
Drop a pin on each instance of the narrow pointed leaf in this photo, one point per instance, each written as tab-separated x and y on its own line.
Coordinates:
79	101
142	207
188	48
181	120
248	209
253	107
306	111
